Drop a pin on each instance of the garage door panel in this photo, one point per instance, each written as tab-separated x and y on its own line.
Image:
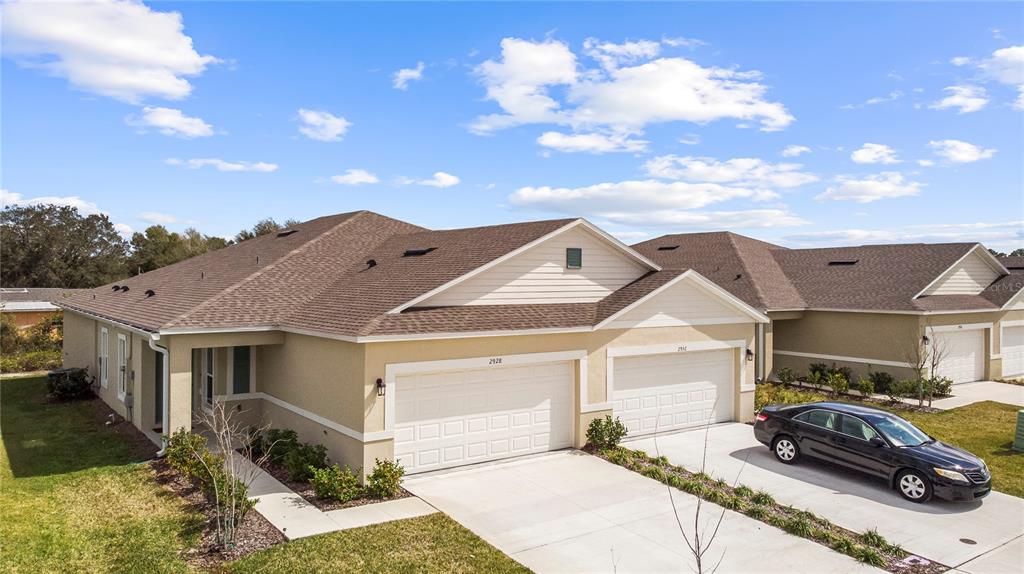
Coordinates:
460	417
964	355
1013	351
672	391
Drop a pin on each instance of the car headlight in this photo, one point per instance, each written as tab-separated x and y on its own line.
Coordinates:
952	475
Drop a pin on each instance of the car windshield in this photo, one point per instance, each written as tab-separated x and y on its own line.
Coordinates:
900	432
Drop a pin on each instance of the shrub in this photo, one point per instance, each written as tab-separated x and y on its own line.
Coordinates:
675	481
881	380
620	456
869	555
815	379
785	375
744	491
865	387
654	472
30	361
605	433
837	382
844	545
799	526
942	386
757	512
846	372
385	480
902	388
299	460
734	503
819	369
762	497
770	394
277	443
182	450
69	384
335	483
873	538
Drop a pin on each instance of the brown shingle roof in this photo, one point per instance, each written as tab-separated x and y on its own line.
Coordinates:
47	294
741	265
770	277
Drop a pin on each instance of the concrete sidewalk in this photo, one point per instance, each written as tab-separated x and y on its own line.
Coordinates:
969	393
296	518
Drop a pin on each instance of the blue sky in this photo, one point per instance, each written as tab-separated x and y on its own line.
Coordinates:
803	124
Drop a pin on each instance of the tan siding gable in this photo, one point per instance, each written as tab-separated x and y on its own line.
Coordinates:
539	275
684	303
968	277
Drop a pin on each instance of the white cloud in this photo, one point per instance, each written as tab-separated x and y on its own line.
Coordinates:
965	99
355	177
960	61
121	49
745	219
994	234
958	151
1006	66
746	172
874	153
925	163
402	77
795	150
630	236
8	198
221	165
124	229
322	126
885	185
611	55
591	142
690	139
440	180
171	122
890	97
679	41
158	218
628	91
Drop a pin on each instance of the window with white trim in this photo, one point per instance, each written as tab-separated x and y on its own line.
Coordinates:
104	353
122	366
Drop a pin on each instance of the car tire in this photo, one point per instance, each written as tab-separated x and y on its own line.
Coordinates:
914	486
785	449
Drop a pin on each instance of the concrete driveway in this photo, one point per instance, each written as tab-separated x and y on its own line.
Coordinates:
572	512
968	393
975	537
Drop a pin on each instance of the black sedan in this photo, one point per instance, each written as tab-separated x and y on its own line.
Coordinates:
875	442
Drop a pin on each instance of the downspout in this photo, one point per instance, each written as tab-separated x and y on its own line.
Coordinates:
165	416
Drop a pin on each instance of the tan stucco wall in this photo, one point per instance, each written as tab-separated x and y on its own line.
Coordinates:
879	336
80	342
25	319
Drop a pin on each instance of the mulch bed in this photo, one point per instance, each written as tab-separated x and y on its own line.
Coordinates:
305	490
255	534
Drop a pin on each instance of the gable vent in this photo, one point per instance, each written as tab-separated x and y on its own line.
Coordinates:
668	248
418	251
286	232
842	262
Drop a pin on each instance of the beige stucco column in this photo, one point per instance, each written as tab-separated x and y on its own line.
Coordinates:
180	378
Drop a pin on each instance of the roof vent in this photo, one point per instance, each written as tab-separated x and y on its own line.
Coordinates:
116	288
124	288
668	248
371	263
418	251
150	292
841	262
286	232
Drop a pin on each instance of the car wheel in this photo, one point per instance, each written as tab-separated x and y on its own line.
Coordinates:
785	449
913	486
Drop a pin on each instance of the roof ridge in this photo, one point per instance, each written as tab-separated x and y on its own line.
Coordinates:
746	269
238	284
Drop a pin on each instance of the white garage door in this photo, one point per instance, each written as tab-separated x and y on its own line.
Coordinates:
673	391
1013	351
964	359
452	418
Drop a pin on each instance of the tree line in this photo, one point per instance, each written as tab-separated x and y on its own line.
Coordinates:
57	246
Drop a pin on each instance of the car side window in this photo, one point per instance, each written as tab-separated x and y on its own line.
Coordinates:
852	426
818	418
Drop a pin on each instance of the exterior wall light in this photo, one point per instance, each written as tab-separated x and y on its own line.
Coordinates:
925	340
750	355
381	387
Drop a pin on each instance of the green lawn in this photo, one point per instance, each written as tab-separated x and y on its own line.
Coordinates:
433	543
986	429
74	498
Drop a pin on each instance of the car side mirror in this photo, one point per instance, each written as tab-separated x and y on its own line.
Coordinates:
877	442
